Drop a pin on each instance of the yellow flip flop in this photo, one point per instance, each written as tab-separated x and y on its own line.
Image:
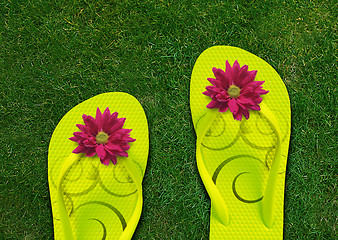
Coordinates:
96	162
242	121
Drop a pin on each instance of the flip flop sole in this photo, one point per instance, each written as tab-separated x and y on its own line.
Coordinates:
238	154
99	199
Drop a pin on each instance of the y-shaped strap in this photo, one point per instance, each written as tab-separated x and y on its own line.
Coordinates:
64	217
216	198
135	174
268	203
221	210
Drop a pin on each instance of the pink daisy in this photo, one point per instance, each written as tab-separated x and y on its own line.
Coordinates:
103	136
235	89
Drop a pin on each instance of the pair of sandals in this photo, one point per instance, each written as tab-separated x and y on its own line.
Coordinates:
98	153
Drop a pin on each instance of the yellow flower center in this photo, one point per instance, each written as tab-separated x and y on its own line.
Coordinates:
102	138
234	91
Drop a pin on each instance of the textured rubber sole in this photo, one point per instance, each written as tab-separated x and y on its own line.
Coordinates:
99	199
238	154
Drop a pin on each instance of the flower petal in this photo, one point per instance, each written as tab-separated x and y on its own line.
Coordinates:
79	149
213	104
248	79
245	101
123	154
111	122
83	128
223	97
73	139
242	74
235	70
118	125
91	123
212	80
237	116
224	107
207	93
114	159
90	152
106	113
105	120
98	119
246	113
125	147
213	90
254	107
101	153
105	161
233	105
229	73
89	142
113	147
219	74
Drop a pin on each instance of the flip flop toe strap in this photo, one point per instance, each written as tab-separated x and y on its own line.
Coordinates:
64	217
134	172
268	202
221	210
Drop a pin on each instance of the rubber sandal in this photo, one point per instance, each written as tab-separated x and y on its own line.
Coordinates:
243	129
96	163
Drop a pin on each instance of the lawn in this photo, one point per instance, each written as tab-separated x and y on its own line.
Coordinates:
56	54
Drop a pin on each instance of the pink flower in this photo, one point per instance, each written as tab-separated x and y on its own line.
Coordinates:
235	89
103	136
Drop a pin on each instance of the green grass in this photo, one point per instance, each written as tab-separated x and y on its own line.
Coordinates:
55	54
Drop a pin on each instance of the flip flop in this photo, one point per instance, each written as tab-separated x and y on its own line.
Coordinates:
243	129
96	163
